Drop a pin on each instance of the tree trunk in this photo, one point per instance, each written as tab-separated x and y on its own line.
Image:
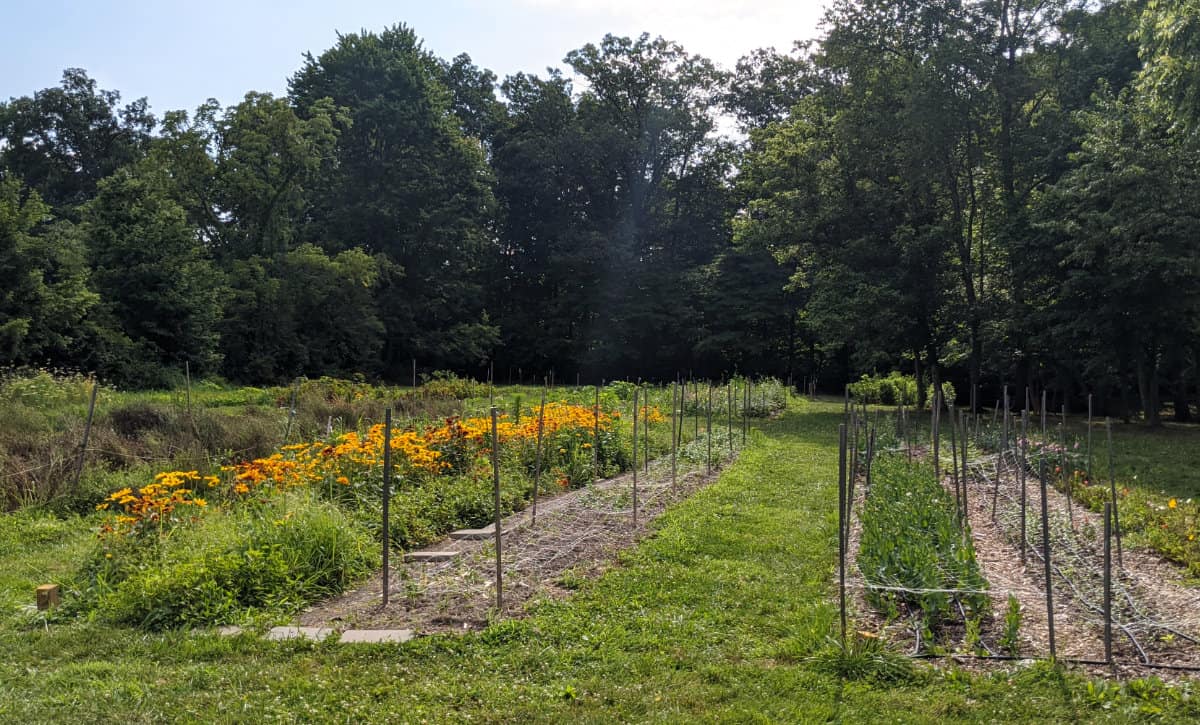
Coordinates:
1147	378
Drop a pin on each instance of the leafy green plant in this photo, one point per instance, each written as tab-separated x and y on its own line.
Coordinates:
1010	641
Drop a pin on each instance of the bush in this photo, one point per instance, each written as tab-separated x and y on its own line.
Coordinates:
278	556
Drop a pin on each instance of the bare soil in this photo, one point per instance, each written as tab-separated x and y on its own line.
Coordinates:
577	535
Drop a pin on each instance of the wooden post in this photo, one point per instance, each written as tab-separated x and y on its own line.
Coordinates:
646	433
676	422
1062	439
635	461
746	395
729	415
287	432
708	430
537	466
1108	582
87	432
387	496
936	422
1021	476
187	376
842	528
47	596
414	373
497	524
1046	559
596	436
1112	485
1088	472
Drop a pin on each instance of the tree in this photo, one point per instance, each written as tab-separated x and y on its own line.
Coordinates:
159	291
45	299
410	185
1125	221
64	140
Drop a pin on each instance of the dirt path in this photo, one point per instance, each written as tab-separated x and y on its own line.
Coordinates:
577	535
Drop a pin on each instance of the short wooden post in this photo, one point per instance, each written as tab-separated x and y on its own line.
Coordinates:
48	596
1046	559
87	432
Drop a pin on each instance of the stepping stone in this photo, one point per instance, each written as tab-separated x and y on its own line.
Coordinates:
314	633
376	636
230	630
430	556
476	534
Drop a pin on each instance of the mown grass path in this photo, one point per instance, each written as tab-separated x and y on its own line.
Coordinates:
712	619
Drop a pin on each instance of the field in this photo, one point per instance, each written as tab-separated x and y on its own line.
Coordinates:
725	613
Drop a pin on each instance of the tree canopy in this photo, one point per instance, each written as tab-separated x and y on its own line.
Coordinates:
997	193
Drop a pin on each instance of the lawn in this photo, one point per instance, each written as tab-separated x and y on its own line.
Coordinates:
717	617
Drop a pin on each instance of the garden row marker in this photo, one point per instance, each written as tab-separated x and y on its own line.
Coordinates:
1022	471
635	466
842	527
496	503
537	470
1063	466
1112	485
675	423
708	430
596	436
1107	581
954	459
1046	557
287	432
87	431
387	495
729	415
646	433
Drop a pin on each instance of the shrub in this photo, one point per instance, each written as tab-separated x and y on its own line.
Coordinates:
279	555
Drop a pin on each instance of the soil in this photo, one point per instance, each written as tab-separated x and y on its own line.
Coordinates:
577	535
1153	605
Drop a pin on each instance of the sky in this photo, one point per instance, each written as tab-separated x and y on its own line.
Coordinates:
178	54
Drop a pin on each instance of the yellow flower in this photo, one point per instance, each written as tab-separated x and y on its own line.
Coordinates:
1171	504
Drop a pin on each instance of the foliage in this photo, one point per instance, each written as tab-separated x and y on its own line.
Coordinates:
913	549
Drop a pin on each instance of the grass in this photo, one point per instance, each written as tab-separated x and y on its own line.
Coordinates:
723	616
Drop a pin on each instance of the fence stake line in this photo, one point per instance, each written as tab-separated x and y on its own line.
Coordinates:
1046	559
496	514
537	469
635	460
842	527
1107	582
387	496
87	432
1112	485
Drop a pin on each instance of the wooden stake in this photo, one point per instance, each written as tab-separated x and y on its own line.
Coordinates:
1108	582
635	461
1112	485
387	497
87	433
497	524
537	468
1046	559
842	527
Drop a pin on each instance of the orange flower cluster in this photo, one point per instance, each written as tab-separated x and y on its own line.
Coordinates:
317	462
558	416
156	502
306	464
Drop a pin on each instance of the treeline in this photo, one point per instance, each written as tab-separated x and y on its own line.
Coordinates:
989	191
